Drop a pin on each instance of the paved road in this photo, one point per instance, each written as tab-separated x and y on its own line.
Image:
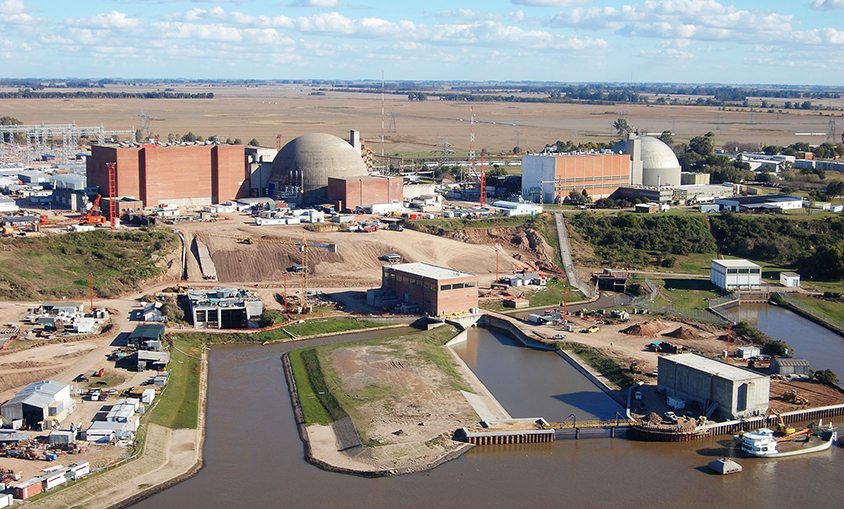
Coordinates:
565	254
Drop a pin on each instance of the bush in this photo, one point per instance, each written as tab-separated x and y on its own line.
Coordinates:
270	317
826	377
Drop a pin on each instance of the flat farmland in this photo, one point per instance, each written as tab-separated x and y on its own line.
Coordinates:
264	111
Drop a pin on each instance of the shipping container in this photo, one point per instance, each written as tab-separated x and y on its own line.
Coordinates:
77	470
54	479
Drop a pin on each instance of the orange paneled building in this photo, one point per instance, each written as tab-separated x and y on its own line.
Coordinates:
185	176
553	177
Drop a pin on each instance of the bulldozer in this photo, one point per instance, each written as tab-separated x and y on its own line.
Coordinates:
247	240
634	367
792	396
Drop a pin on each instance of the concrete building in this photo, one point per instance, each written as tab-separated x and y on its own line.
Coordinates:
347	194
124	205
689	178
223	308
759	203
662	195
549	178
144	334
514	208
719	389
790	367
732	275
790	279
185	175
302	167
434	290
746	352
259	163
690	195
44	404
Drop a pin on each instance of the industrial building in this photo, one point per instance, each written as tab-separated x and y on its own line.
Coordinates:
611	280
223	308
791	367
550	178
790	279
350	193
432	290
147	336
760	203
184	175
39	404
690	195
302	167
693	178
732	275
652	162
717	388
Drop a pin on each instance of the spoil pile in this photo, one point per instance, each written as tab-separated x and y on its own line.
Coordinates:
684	333
648	328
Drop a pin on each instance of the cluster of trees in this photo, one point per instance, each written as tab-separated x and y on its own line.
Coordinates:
417	96
569	146
699	156
192	138
822	151
629	238
757	337
815	247
28	93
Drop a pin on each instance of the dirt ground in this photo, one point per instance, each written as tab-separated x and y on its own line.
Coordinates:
356	262
265	111
410	425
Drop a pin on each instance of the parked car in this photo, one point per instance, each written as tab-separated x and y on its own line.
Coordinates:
671	416
638	395
593	329
558	336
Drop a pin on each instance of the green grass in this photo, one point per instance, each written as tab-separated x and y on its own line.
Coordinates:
606	366
832	309
55	266
685	294
178	407
454	224
550	295
313	410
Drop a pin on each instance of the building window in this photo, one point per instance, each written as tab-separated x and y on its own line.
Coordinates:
445	287
732	271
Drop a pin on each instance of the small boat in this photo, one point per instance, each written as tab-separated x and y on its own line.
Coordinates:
724	466
763	443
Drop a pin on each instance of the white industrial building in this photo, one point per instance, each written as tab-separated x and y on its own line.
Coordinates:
718	388
760	203
514	208
790	279
736	275
47	402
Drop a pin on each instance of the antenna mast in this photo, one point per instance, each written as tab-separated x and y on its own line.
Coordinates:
382	112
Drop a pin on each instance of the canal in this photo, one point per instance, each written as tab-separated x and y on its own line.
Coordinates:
820	346
254	458
533	383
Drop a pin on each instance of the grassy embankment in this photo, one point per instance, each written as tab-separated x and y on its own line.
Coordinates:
325	399
830	308
311	327
608	367
178	406
55	266
551	295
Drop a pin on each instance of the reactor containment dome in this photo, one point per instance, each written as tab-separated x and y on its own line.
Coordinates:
302	167
653	162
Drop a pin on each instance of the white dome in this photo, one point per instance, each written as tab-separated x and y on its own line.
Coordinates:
659	164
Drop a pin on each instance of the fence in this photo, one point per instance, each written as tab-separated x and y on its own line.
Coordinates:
815	315
646	298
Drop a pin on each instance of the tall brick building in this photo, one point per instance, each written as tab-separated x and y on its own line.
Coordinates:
436	290
185	176
552	177
351	192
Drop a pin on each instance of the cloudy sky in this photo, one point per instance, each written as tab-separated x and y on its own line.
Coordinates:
723	41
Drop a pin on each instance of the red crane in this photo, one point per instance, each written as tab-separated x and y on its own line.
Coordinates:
112	194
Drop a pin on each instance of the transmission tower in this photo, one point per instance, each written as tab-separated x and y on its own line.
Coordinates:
830	134
392	128
471	141
518	136
445	150
144	128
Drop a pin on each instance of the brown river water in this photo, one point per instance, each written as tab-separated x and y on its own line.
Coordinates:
254	457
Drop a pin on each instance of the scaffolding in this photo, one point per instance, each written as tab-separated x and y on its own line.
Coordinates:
59	140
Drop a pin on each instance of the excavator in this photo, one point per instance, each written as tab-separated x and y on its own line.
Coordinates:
781	426
94	215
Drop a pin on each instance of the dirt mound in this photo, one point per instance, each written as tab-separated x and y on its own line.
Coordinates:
684	333
648	328
519	239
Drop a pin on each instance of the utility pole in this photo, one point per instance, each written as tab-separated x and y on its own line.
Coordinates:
91	286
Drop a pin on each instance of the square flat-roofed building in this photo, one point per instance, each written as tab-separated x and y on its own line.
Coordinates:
549	178
736	275
436	290
720	388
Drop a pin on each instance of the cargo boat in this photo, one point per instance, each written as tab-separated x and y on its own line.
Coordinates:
763	443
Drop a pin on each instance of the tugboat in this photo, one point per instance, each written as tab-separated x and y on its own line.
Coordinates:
763	443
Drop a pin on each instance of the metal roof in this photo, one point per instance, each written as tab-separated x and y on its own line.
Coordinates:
429	271
792	362
736	264
148	331
713	367
789	274
759	199
38	394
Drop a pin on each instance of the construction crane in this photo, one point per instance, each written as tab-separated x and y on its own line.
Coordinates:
94	215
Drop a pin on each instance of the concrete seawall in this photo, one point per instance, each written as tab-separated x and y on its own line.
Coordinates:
615	395
506	324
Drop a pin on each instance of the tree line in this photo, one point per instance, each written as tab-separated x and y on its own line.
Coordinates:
28	93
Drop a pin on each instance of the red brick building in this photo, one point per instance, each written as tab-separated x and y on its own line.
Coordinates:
436	290
185	176
349	193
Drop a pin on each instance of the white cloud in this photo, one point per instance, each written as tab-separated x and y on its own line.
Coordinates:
13	12
113	19
827	5
316	3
